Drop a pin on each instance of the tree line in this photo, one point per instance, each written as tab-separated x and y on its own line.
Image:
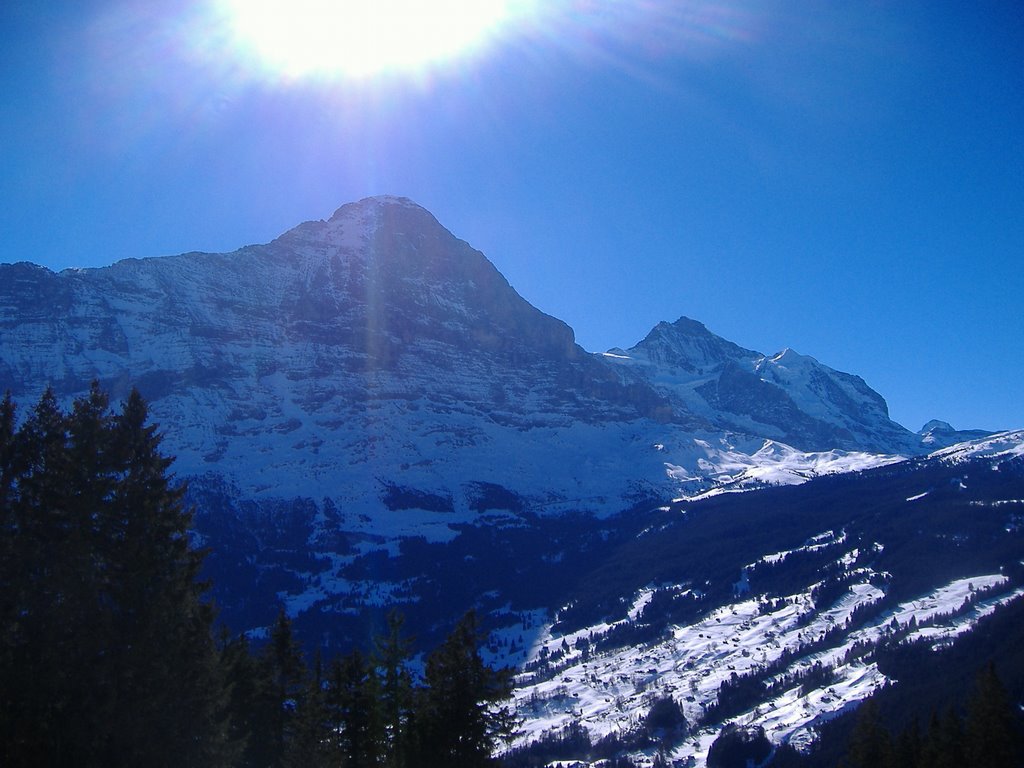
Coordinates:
109	653
985	735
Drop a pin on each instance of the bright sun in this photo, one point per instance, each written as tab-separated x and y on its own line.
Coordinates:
358	38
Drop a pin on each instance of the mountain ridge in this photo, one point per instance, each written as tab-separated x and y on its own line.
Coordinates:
371	380
787	396
378	337
371	212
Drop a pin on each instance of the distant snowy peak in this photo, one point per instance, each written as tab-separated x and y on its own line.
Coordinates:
938	434
824	392
787	397
687	345
728	469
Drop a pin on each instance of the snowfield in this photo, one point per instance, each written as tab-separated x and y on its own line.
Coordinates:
723	469
1002	444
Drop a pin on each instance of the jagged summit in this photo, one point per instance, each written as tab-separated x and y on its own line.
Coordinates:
380	201
394	258
790	356
688	345
685	325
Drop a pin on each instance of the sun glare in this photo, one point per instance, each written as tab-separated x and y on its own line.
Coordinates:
357	38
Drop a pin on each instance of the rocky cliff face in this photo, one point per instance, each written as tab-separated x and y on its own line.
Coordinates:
346	357
369	380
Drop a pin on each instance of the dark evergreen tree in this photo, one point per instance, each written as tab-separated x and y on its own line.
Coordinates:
35	683
396	690
738	746
168	676
944	743
283	679
461	715
909	745
353	706
310	746
246	684
870	743
787	756
990	732
107	657
665	718
9	562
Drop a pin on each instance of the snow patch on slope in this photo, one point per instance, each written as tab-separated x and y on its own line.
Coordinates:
1000	445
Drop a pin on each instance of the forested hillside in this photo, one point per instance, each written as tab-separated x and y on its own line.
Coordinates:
957	706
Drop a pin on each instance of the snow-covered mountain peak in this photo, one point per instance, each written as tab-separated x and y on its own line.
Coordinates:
370	211
790	358
787	397
379	201
936	425
727	469
938	434
688	347
686	325
374	359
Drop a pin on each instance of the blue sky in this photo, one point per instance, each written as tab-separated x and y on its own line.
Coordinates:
842	178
